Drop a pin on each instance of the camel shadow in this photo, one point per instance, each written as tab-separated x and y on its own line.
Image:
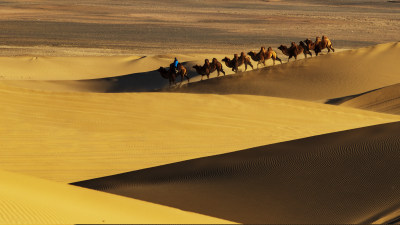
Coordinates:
150	81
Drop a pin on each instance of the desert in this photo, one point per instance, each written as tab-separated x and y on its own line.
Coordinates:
97	126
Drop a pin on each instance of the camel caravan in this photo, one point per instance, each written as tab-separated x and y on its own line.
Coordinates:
305	47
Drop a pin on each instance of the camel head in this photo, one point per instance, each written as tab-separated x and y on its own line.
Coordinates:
251	53
226	59
161	69
282	47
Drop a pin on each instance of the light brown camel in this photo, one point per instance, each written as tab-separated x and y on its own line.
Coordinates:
215	65
323	43
244	59
182	72
271	54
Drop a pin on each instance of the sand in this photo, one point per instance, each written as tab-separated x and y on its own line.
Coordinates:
152	27
310	141
341	178
28	200
80	133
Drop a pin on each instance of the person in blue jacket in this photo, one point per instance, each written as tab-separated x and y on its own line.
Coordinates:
176	65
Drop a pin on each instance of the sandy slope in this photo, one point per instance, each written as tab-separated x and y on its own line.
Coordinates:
317	79
385	100
28	200
344	177
75	136
81	68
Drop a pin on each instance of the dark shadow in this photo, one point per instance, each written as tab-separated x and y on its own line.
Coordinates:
342	177
341	100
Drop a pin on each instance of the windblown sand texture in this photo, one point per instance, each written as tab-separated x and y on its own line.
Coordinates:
90	133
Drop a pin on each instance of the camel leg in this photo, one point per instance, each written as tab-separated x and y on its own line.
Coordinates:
333	50
187	77
222	70
273	62
251	65
279	59
208	76
258	63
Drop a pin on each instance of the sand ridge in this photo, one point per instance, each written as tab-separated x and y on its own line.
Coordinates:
81	132
341	177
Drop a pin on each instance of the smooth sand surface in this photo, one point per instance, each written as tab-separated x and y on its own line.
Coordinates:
28	200
75	136
344	177
385	100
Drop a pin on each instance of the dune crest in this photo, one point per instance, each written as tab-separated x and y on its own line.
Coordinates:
343	177
80	133
315	79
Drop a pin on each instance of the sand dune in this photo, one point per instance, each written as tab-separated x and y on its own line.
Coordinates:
82	68
385	100
344	177
75	136
316	79
28	200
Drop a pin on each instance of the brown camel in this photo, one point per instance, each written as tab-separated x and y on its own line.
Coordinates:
182	72
323	43
271	54
306	49
215	65
244	59
167	75
202	70
310	44
230	63
258	57
293	51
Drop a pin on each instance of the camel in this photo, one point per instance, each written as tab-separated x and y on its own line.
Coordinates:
293	51
167	75
258	57
230	63
234	64
202	70
182	72
271	54
323	43
306	49
215	65
244	59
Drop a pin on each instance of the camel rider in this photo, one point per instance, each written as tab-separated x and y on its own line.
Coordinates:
176	65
